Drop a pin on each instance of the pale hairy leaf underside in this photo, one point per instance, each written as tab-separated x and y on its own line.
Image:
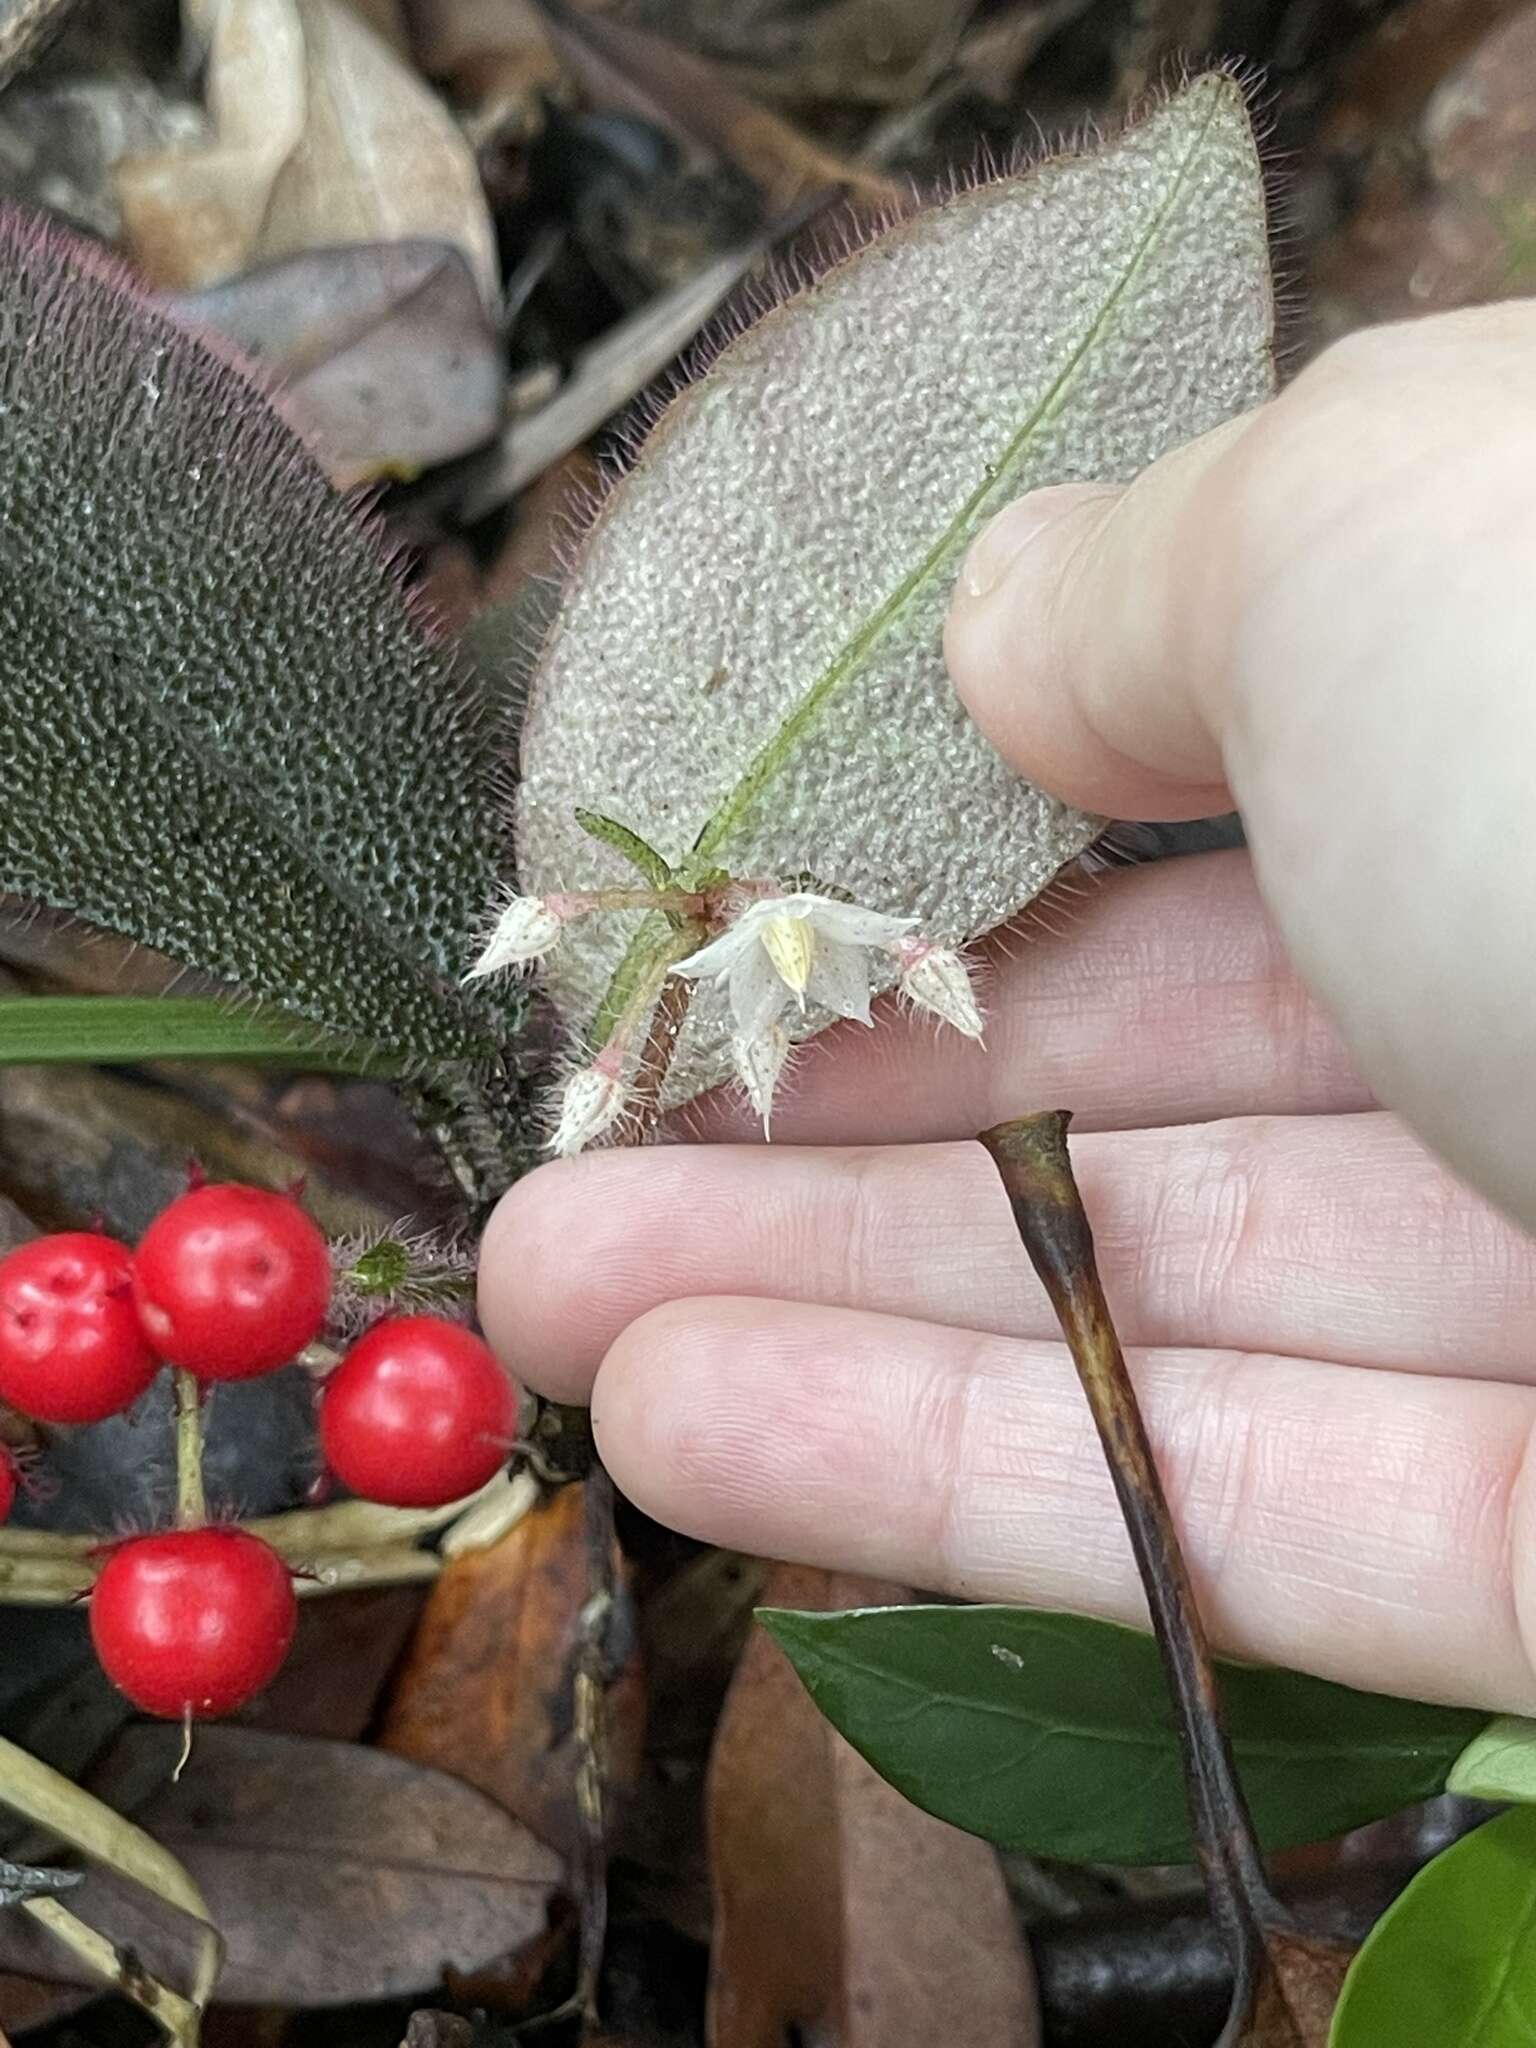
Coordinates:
747	663
223	732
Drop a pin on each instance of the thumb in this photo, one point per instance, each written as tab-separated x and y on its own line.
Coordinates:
1082	639
1324	613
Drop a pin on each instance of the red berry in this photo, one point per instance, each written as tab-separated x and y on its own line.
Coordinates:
418	1413
194	1621
71	1349
7	1483
232	1281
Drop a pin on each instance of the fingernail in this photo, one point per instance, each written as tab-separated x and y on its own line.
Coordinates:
1003	539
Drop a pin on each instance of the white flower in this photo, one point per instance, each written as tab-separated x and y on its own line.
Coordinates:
937	980
799	948
592	1102
759	1063
525	931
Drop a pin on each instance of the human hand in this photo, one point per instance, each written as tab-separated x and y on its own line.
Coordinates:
834	1350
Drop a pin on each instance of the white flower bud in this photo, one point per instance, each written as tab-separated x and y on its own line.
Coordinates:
525	931
592	1101
937	980
759	1063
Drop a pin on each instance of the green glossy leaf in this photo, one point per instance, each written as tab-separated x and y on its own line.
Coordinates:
223	731
1052	1733
121	1030
1498	1763
1452	1963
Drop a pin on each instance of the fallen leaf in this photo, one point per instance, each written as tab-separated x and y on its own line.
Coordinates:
486	1688
193	214
840	1910
495	58
320	134
1297	1992
869	52
130	1871
379	159
384	354
624	66
343	1653
333	1872
27	2002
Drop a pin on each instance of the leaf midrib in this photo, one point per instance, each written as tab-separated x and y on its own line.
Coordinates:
1271	1748
771	756
994	480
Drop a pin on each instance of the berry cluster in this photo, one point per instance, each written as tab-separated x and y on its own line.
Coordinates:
227	1283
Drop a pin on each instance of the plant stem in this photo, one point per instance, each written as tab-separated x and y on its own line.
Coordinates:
191	1500
655	1061
1283	1984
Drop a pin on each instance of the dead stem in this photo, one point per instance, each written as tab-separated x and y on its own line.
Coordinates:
1284	1983
191	1500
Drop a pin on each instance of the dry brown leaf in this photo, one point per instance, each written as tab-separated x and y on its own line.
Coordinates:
870	52
1297	1993
485	1691
320	133
335	1873
380	158
840	1909
343	1653
620	65
385	353
494	56
26	2002
192	215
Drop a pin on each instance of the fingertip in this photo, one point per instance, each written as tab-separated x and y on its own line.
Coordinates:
654	1421
1003	640
524	1287
1076	637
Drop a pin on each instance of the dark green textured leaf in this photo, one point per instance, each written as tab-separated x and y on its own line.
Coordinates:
224	733
1453	1962
1052	1733
119	1030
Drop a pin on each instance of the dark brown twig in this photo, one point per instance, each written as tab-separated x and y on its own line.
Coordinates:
1284	1983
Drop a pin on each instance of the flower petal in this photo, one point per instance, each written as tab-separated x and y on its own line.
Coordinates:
850	924
839	980
757	994
718	957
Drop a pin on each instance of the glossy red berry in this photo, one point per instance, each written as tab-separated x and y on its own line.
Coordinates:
71	1346
232	1281
194	1621
417	1414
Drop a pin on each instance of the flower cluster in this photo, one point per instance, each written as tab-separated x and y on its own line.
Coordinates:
771	951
